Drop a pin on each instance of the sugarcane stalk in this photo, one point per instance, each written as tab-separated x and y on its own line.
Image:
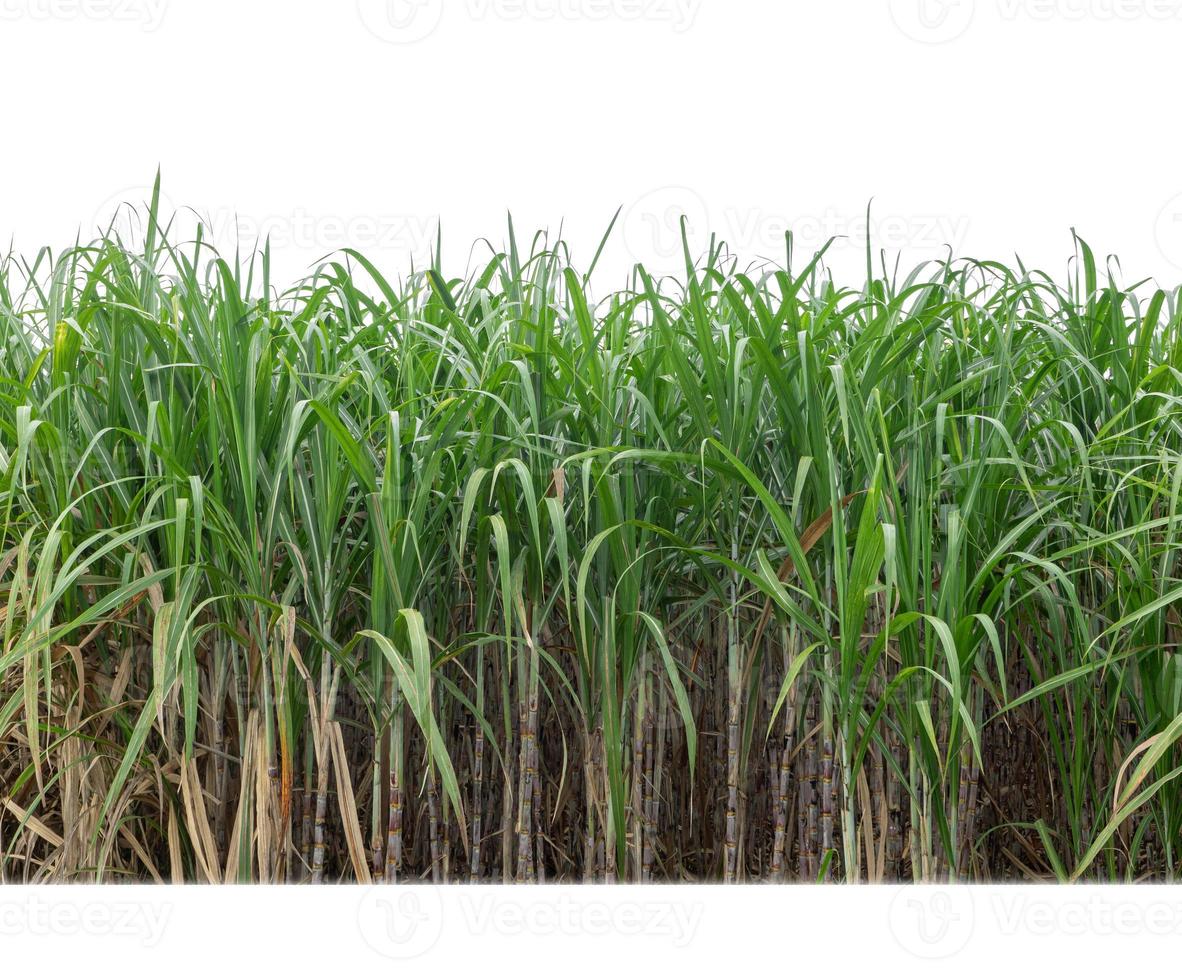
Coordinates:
589	842
783	776
650	813
538	812
323	757
433	824
782	782
525	799
394	828
306	806
813	821
637	806
395	747
477	801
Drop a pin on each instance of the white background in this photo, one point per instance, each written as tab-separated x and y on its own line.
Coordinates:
993	127
637	931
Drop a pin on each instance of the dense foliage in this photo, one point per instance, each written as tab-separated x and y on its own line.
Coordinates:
742	575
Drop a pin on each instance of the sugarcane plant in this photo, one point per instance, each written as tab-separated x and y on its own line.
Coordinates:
737	575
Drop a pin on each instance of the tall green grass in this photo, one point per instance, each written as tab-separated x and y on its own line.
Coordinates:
738	575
